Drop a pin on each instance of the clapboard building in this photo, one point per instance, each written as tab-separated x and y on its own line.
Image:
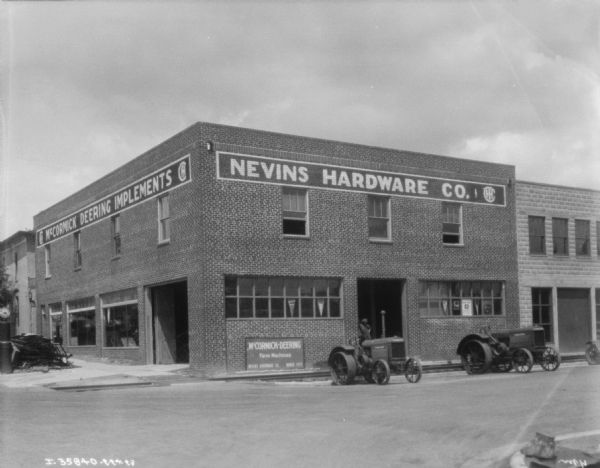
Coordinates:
236	249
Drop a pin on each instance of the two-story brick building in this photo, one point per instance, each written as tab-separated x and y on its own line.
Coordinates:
17	254
559	262
237	249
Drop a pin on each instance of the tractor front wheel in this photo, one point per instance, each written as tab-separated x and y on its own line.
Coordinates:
413	370
522	360
343	368
550	359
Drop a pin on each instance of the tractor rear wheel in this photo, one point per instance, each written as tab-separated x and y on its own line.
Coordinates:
522	360
343	368
380	374
413	370
476	357
550	359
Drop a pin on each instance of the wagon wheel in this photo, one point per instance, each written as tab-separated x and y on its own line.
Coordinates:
592	354
476	357
380	374
343	368
413	370
550	359
522	360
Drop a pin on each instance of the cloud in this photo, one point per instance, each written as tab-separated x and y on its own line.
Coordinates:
95	84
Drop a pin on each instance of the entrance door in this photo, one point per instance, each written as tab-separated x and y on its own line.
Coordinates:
574	326
170	323
374	296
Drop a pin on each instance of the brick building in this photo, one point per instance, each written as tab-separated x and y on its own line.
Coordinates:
559	262
237	249
17	254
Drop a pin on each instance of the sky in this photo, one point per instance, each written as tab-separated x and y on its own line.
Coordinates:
87	86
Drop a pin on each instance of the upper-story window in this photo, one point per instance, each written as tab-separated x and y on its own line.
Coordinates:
537	235
164	220
452	230
115	227
598	238
47	259
582	237
379	218
294	211
560	236
77	250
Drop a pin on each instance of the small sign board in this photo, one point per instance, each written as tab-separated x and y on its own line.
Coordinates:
467	307
274	353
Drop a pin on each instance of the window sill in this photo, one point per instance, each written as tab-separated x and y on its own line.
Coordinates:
453	245
379	240
119	347
296	236
537	254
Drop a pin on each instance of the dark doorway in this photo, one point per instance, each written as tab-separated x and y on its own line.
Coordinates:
574	319
375	295
170	323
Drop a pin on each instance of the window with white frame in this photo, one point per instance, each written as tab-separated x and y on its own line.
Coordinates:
77	250
541	310
282	298
47	259
460	298
115	228
379	218
560	236
164	220
120	319
537	235
294	211
452	229
582	238
82	322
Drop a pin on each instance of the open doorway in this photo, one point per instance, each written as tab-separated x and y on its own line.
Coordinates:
376	295
170	323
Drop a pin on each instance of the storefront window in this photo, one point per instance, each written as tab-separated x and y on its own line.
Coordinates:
120	319
461	298
82	322
121	326
249	297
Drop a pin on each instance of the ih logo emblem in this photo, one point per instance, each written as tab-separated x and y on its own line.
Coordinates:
489	193
182	171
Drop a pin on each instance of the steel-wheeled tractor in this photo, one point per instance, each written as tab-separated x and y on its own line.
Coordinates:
504	350
374	360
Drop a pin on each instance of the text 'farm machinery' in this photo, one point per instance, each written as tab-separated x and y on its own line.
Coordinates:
505	350
374	360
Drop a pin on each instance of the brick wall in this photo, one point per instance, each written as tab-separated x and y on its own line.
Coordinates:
234	228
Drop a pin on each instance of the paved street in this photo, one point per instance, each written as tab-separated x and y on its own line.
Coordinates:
446	420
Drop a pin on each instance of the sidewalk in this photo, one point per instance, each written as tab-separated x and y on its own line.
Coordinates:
89	374
94	374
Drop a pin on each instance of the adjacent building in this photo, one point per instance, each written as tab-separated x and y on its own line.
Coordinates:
17	254
236	249
559	262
